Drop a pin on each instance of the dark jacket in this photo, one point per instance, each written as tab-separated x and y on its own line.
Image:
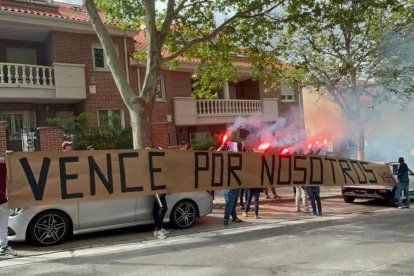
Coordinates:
403	173
3	173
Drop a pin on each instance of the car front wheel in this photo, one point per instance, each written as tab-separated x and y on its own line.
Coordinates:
184	214
49	228
348	199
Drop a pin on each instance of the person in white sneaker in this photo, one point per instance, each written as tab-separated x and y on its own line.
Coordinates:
158	212
301	194
5	249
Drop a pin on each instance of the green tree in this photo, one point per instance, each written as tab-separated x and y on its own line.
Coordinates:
338	46
186	29
82	130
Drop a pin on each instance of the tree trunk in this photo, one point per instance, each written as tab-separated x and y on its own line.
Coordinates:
141	124
139	106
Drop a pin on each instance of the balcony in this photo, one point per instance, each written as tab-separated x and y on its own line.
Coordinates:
60	83
189	111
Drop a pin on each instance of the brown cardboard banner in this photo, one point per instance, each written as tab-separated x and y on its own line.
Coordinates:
55	177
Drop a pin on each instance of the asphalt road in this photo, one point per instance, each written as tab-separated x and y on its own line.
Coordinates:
350	239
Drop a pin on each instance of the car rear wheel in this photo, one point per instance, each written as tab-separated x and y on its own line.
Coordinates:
184	214
348	199
49	228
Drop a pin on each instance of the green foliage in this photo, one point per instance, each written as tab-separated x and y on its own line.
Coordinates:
80	129
214	32
395	71
205	144
339	45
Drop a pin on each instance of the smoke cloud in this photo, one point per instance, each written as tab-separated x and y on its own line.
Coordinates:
286	132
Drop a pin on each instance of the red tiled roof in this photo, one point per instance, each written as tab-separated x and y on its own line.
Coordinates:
57	9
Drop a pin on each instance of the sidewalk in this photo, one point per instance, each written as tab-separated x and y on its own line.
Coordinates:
286	194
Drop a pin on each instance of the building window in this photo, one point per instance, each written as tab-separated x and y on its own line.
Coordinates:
99	59
14	123
160	92
111	118
287	94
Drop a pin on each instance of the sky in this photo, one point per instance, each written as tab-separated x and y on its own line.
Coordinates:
77	2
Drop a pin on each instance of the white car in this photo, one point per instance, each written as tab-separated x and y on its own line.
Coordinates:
385	193
49	225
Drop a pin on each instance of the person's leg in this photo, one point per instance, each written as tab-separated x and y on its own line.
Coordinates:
318	200
161	211
227	209
256	203
236	194
4	220
266	192
304	199
164	209
312	199
297	199
155	211
398	194
407	195
242	197
248	201
275	195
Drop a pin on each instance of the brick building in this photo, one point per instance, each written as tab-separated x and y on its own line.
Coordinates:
52	65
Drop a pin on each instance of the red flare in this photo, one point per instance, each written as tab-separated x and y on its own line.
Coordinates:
263	147
325	141
285	151
223	138
309	145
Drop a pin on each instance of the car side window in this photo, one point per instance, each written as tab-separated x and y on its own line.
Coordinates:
395	169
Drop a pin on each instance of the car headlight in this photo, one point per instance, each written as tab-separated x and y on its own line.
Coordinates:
16	211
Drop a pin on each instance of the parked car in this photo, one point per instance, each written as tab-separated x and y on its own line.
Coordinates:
49	225
385	193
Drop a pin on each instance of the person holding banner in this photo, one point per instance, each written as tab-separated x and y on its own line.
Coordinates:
301	194
273	189
158	212
5	250
231	196
252	193
403	182
315	198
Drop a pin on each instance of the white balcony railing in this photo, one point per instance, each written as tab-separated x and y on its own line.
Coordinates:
189	111
228	107
13	73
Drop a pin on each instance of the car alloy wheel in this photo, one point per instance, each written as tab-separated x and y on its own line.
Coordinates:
184	214
49	228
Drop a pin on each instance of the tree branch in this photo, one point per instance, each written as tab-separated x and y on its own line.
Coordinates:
221	27
114	64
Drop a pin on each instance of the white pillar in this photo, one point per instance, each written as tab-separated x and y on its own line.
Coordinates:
226	91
